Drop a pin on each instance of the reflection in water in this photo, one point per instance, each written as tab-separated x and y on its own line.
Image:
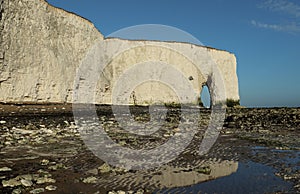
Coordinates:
251	178
170	177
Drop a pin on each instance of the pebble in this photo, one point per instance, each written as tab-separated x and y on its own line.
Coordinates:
25	177
11	183
17	191
90	180
44	173
2	122
51	188
140	191
57	166
44	162
43	180
5	169
26	183
37	190
105	168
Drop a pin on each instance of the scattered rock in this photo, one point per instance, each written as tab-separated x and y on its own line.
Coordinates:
43	180
90	180
17	191
105	168
2	122
51	188
5	169
37	190
28	177
11	183
57	166
26	183
44	162
140	191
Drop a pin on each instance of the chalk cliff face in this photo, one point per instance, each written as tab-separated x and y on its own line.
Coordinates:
42	48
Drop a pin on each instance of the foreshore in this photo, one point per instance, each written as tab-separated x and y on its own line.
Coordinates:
42	151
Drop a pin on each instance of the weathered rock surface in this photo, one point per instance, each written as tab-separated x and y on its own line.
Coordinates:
42	47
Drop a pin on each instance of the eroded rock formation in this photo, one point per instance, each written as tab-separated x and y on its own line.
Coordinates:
42	48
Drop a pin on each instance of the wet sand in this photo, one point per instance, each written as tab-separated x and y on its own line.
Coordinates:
41	151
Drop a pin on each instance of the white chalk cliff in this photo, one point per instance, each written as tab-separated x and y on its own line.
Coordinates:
44	51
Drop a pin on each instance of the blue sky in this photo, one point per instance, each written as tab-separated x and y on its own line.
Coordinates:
263	34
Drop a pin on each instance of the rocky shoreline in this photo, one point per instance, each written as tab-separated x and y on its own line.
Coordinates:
42	151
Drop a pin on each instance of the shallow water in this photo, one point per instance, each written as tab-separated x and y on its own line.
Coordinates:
250	177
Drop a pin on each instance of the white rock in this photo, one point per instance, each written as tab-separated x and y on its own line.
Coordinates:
5	169
43	180
90	179
104	168
26	183
25	177
16	191
11	183
44	162
2	122
37	190
51	188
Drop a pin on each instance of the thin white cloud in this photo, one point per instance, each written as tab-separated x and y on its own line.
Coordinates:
269	26
281	6
291	28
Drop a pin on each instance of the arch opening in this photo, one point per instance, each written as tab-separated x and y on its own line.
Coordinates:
205	97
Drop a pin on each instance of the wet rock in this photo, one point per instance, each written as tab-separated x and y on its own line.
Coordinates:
51	188
11	183
2	122
43	180
26	183
140	191
37	190
105	168
28	177
44	162
5	169
57	166
17	191
90	180
43	173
